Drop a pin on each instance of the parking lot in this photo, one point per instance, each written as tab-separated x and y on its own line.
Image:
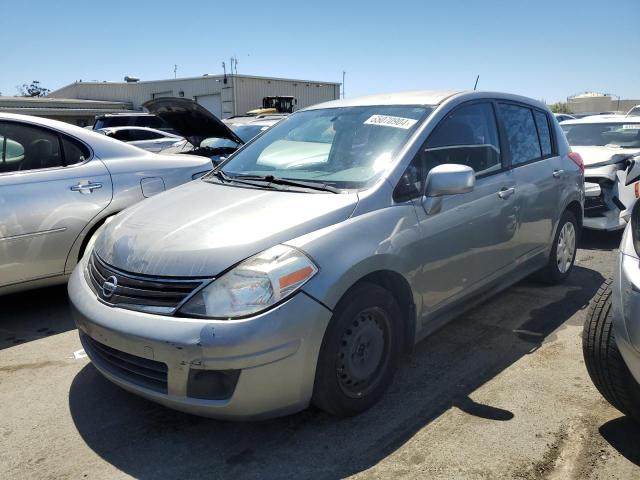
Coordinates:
499	392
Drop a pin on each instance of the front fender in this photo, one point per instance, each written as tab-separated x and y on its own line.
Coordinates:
348	251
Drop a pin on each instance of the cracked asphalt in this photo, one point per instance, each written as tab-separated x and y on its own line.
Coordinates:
500	392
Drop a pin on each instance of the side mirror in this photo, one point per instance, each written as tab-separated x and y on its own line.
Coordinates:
446	179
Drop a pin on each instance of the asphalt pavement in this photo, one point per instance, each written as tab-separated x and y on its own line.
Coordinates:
500	392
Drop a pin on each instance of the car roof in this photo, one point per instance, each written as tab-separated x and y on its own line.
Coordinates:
257	123
148	129
602	119
422	97
127	114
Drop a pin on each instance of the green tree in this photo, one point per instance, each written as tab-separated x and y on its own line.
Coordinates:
32	90
560	107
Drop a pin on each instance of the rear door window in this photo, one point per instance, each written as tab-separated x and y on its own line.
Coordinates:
522	134
122	135
28	147
143	135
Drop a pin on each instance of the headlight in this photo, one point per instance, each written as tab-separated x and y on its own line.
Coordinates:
254	285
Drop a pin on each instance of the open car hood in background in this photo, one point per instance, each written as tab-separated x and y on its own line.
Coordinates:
190	120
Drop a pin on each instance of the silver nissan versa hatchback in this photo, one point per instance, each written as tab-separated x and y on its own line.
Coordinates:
301	268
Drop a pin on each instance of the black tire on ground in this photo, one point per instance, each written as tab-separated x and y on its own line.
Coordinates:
602	358
551	273
360	351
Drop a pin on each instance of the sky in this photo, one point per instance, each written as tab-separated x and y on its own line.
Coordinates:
545	49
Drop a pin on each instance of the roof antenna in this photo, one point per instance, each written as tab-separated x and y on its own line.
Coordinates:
476	85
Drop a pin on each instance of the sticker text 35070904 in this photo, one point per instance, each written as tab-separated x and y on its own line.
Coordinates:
390	121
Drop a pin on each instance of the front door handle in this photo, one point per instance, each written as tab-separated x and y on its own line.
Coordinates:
85	187
506	192
557	173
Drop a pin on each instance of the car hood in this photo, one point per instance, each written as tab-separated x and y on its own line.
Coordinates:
190	120
200	229
594	155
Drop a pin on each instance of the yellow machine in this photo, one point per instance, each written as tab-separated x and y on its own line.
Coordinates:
274	104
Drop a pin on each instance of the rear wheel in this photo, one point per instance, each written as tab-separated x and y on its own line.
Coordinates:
603	360
360	351
563	252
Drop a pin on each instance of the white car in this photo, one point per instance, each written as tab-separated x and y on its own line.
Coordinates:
607	144
634	112
148	139
561	117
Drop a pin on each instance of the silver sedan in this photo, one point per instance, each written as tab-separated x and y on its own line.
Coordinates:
59	183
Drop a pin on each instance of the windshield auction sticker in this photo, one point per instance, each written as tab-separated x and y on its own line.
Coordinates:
389	121
631	126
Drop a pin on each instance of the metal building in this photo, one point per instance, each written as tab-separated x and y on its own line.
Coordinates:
599	102
223	95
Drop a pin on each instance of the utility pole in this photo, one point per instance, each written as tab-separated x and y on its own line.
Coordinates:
343	75
175	70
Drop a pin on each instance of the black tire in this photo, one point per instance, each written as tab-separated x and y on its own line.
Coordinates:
602	358
365	335
551	273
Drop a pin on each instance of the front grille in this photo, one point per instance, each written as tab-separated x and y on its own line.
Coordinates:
138	292
137	370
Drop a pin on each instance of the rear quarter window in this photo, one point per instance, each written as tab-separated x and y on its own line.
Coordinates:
74	151
542	123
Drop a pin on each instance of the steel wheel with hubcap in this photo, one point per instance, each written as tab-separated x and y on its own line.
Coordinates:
363	348
360	351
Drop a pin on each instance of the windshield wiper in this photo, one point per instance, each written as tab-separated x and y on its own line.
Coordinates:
286	181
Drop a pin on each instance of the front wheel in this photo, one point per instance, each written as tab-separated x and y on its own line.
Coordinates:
563	251
603	360
360	351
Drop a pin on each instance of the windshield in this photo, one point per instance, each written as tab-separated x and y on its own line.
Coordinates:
345	147
634	112
619	134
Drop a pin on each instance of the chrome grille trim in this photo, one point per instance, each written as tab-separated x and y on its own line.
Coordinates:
160	295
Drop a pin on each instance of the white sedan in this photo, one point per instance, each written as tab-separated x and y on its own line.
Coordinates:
150	139
610	147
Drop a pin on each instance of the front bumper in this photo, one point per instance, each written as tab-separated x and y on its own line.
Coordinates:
626	309
608	202
275	353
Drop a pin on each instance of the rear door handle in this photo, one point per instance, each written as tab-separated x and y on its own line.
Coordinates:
506	192
557	173
85	187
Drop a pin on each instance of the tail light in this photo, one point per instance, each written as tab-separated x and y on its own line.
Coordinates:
577	159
